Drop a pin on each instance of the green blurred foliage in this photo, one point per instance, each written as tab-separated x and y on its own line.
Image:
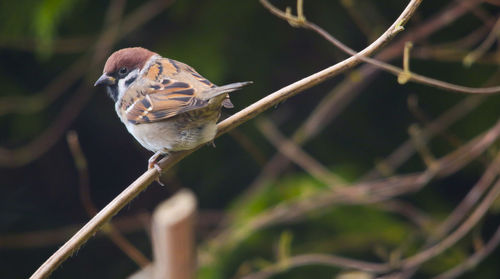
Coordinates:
46	19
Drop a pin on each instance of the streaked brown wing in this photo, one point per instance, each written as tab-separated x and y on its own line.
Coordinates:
162	101
179	68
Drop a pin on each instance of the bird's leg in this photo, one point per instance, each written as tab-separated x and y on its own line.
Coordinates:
212	143
153	163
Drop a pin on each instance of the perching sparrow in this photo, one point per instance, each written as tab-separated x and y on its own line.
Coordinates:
165	104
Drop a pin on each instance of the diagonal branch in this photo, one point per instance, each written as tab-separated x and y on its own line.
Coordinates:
360	193
297	155
339	98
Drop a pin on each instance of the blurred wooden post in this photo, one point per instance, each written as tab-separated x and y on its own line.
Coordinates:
173	239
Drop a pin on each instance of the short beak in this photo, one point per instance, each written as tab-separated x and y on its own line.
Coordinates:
105	80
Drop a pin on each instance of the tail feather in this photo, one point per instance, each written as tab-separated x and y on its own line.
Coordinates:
216	91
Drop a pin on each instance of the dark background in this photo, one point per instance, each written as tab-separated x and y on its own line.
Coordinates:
226	41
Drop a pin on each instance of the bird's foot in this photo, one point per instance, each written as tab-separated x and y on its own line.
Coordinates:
153	163
212	143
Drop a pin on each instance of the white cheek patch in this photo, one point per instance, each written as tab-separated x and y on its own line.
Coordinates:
124	83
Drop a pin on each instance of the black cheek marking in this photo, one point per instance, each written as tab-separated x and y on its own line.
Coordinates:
129	81
146	118
155	87
165	81
146	103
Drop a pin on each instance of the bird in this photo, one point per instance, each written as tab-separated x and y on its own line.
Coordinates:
165	104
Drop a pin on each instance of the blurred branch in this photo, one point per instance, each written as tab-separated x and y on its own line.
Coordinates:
84	186
297	155
416	216
471	199
337	99
409	76
40	100
126	224
54	237
407	263
366	16
63	45
460	232
317	259
460	212
473	260
223	127
482	48
360	193
402	153
454	50
249	146
454	55
425	120
493	2
83	172
421	146
482	14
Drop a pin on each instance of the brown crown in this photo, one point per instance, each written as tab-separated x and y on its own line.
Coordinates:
132	57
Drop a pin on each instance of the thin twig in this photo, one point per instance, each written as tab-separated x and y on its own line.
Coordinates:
410	76
84	185
460	232
412	213
57	236
473	260
482	48
249	146
317	259
297	155
455	49
360	193
337	99
398	71
469	201
406	264
75	44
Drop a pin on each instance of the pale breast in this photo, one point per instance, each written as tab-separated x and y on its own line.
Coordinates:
165	136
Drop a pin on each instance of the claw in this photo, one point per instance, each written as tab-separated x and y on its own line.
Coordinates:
153	163
154	159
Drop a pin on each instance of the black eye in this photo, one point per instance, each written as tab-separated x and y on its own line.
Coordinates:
123	71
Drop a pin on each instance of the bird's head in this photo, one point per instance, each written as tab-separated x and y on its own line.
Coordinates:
122	68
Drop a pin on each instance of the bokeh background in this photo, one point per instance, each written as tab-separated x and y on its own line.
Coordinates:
51	52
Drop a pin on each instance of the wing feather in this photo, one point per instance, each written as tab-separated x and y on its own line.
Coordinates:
164	100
